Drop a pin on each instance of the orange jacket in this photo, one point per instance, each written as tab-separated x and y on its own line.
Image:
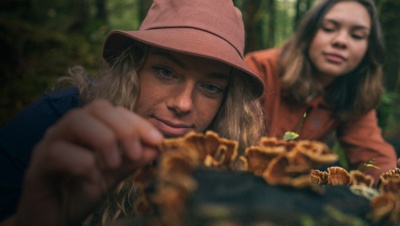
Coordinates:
361	139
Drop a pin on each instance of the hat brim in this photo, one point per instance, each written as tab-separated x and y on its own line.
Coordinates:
185	40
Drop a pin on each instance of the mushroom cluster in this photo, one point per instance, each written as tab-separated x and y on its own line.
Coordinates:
336	175
166	185
282	162
387	204
385	201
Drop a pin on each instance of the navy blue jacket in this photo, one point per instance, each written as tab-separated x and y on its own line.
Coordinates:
20	135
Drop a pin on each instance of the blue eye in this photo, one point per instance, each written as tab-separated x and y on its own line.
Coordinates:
213	89
164	72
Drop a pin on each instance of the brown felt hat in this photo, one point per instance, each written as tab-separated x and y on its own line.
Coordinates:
207	28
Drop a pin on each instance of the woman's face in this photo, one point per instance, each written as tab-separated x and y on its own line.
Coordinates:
341	41
181	93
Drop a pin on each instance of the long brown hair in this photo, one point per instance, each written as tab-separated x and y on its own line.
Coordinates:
352	94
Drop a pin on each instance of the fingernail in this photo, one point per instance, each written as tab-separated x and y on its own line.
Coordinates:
156	135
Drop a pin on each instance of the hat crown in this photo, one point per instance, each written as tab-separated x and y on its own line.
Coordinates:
218	17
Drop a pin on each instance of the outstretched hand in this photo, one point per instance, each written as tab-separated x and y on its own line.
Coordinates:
80	159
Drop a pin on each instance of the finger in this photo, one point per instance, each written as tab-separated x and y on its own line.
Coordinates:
147	133
81	128
149	154
132	131
126	131
128	166
63	157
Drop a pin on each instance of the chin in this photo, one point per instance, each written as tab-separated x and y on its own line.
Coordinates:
332	72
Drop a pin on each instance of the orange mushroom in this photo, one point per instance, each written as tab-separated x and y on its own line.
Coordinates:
338	176
318	177
360	178
258	159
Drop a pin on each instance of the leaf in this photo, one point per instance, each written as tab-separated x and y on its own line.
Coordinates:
289	135
369	164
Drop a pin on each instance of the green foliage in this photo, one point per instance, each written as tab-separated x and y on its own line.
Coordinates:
41	39
124	14
390	20
389	113
271	22
47	56
290	135
37	50
337	149
370	163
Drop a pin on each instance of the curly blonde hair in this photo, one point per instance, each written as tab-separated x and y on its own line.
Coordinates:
239	118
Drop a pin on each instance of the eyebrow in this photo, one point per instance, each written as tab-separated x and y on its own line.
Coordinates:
168	56
359	27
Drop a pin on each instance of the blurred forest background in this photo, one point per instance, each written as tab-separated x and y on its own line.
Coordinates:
41	39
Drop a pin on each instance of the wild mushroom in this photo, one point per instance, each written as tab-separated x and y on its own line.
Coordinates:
360	178
258	159
338	176
319	177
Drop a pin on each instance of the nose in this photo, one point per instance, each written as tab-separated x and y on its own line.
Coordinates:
181	101
340	39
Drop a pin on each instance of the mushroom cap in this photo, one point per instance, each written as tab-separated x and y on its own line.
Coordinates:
222	150
318	177
276	145
258	159
360	178
338	176
390	185
382	206
277	174
395	173
298	162
317	151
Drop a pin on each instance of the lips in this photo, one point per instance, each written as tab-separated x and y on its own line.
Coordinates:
335	58
171	129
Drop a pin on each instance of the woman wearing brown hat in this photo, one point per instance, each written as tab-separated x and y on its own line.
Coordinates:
182	71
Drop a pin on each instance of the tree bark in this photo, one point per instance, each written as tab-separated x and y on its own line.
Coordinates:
81	17
271	24
390	21
101	13
250	9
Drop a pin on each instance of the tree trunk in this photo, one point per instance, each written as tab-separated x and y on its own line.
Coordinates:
250	9
297	14
390	21
101	13
301	7
271	24
81	17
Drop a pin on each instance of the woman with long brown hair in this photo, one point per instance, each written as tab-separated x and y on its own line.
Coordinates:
325	82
